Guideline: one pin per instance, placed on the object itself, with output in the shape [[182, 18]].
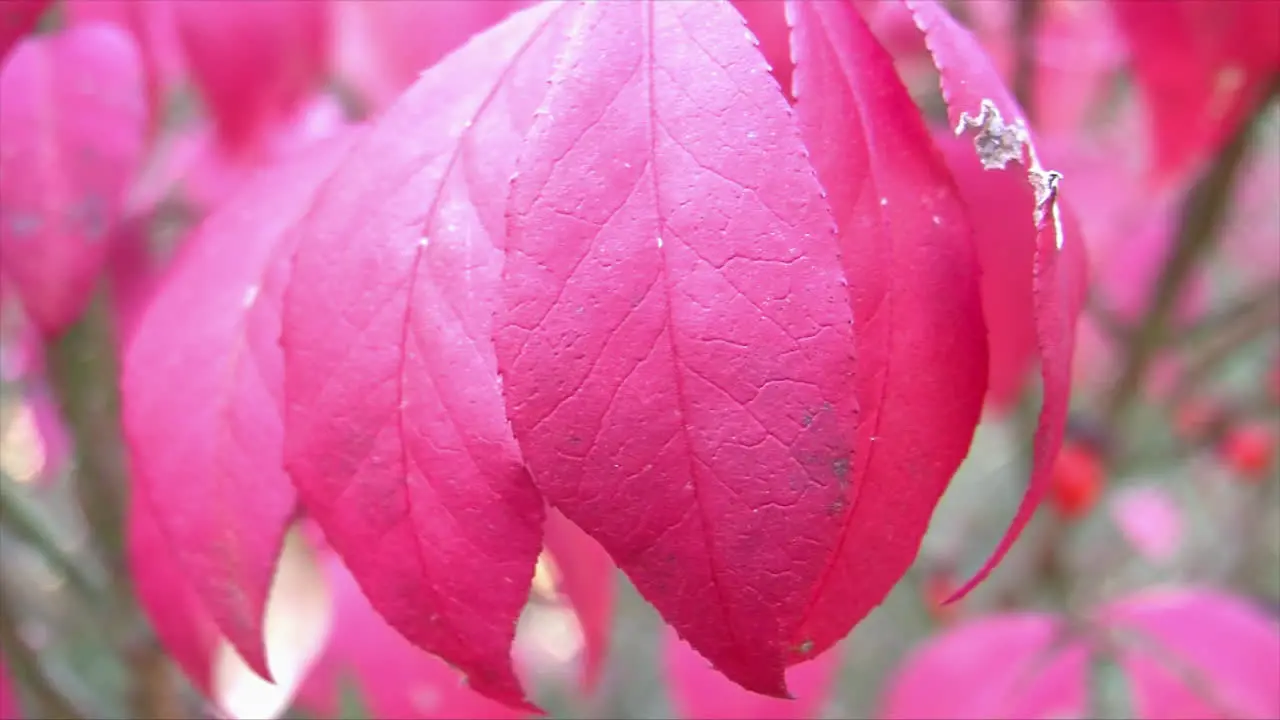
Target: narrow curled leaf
[[914, 287], [70, 141], [675, 341], [586, 578], [979, 103], [396, 437], [210, 456]]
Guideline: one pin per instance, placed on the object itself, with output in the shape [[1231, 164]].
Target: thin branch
[[1025, 23], [1202, 215], [1262, 319], [54, 698], [19, 517]]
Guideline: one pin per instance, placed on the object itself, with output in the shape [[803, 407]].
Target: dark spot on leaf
[[840, 466]]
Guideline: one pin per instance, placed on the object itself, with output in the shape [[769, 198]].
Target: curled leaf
[[913, 279]]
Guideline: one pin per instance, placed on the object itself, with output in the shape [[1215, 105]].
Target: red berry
[[1249, 449], [1077, 480]]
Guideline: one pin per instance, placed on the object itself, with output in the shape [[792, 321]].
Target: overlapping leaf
[[914, 287], [675, 341], [396, 437], [17, 18], [70, 142], [978, 101], [210, 456]]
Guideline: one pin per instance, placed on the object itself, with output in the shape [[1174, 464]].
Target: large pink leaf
[[255, 62], [586, 578], [396, 436], [1201, 66], [917, 313], [17, 18], [676, 344], [211, 455], [698, 692], [1183, 653], [1199, 653], [978, 100], [167, 597], [393, 678], [767, 21], [70, 141], [381, 47]]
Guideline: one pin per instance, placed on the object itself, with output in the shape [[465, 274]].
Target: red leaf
[[394, 679], [255, 62], [913, 284], [17, 18], [676, 348], [977, 99], [586, 578], [70, 141], [396, 436], [1201, 67], [700, 693], [211, 455], [382, 47], [166, 596]]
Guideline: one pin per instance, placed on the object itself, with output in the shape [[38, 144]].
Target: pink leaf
[[586, 578], [1201, 68], [394, 679], [210, 456], [698, 692], [676, 344], [70, 141], [1150, 520], [396, 436], [991, 667], [913, 284], [17, 18], [1200, 653], [10, 709], [382, 47], [255, 62], [1184, 653], [999, 211], [152, 26], [767, 21], [166, 596], [977, 99]]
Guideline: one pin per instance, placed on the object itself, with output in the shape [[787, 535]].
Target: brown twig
[[1202, 214]]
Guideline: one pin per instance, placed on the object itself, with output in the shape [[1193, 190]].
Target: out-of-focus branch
[[1201, 218], [19, 517], [54, 700], [82, 370], [1247, 327]]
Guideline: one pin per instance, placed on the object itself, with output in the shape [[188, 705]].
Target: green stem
[[1202, 215], [19, 516], [54, 698]]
